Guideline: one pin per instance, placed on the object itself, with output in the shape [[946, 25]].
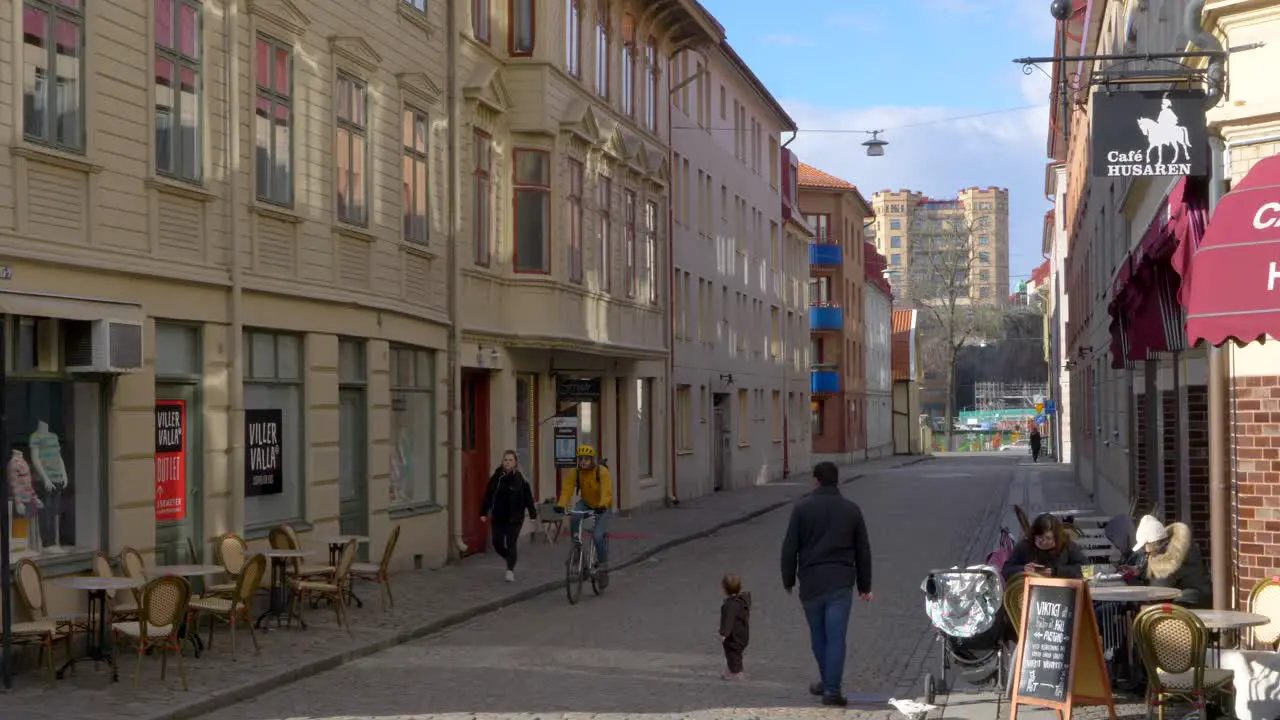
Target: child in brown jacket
[[735, 624]]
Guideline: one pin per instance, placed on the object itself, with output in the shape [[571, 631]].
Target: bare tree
[[944, 260]]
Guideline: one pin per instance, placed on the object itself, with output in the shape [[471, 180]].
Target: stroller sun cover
[[963, 604]]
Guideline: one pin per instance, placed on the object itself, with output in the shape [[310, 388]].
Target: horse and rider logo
[[1132, 138]]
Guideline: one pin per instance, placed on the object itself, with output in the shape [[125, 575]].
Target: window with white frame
[[413, 427], [53, 73], [273, 121], [573, 37], [644, 427], [351, 150], [178, 65], [419, 5], [273, 365], [416, 153]]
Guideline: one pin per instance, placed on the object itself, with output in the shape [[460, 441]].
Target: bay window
[[413, 428], [532, 226], [604, 192], [177, 87], [53, 73], [573, 221], [629, 232], [521, 18], [482, 197], [650, 250]]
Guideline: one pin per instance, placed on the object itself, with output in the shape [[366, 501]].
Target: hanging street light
[[875, 146]]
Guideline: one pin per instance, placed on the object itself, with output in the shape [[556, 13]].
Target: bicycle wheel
[[596, 585], [573, 575]]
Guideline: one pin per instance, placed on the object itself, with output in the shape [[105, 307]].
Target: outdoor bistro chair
[[1173, 642], [131, 563], [379, 573], [1264, 599], [164, 604], [40, 630], [1013, 591], [334, 589], [122, 609], [235, 609], [296, 568], [231, 553]]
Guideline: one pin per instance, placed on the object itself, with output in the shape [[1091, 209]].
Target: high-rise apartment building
[[909, 224]]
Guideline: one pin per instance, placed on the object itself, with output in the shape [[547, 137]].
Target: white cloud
[[932, 153], [785, 40]]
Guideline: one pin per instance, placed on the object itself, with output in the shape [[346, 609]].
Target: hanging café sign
[[1153, 133]]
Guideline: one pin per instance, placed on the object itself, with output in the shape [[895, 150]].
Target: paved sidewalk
[[427, 602]]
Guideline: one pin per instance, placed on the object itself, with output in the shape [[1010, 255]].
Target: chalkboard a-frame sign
[[1059, 659]]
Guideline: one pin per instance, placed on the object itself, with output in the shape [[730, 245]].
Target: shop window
[[177, 350], [273, 439], [644, 426], [413, 427]]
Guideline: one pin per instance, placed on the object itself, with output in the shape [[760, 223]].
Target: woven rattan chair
[[133, 566], [333, 589], [1264, 599], [1173, 642], [124, 608], [164, 604], [378, 573], [1013, 590], [235, 609], [231, 553], [40, 630], [296, 568]]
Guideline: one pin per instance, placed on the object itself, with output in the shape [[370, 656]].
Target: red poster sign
[[171, 460]]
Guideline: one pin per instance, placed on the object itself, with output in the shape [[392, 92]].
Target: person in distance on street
[[594, 487], [735, 624], [507, 499], [826, 547], [1035, 444], [1047, 551]]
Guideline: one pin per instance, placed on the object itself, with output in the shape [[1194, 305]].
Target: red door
[[475, 458]]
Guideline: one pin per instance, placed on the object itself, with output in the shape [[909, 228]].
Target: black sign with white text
[[1149, 133], [1046, 643], [263, 452]]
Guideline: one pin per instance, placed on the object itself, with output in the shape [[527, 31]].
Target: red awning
[[1234, 276]]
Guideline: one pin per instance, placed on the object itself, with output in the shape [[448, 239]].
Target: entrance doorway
[[720, 449], [178, 507], [353, 486], [475, 458]]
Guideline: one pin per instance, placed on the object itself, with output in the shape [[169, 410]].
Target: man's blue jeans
[[597, 532], [828, 617]]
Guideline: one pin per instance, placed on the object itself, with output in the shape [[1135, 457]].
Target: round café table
[[186, 571], [336, 543], [99, 650], [1132, 593], [1218, 621], [280, 558]]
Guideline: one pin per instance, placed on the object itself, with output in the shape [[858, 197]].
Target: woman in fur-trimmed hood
[[1173, 560]]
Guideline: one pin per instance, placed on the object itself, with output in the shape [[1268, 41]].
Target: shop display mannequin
[[46, 461], [26, 503]]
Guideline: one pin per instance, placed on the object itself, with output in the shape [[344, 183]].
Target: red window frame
[[481, 11], [573, 220]]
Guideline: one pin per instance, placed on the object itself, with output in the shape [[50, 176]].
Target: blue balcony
[[825, 254], [826, 317], [824, 381]]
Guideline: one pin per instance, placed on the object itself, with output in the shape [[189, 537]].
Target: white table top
[[184, 570], [1227, 619], [344, 539], [282, 553], [1133, 593], [93, 582]]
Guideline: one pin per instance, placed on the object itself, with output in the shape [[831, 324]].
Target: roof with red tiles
[[811, 176], [902, 350], [876, 266], [1040, 274]]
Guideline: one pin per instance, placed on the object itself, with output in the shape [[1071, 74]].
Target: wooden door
[[475, 458]]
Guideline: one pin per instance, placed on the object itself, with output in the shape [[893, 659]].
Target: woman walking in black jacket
[[506, 500]]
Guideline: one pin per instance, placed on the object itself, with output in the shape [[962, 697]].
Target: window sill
[[191, 191], [421, 250], [415, 17], [260, 532], [71, 563], [51, 156], [414, 510], [688, 451], [744, 445], [354, 231], [777, 441], [276, 212]]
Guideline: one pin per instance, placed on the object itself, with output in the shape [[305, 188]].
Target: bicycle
[[581, 565]]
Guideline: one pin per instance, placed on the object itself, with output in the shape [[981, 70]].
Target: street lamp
[[875, 146]]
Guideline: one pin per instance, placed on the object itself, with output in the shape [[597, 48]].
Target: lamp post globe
[[1060, 9]]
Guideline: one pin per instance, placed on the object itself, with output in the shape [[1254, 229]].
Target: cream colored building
[[565, 125], [229, 218], [907, 222], [740, 316]]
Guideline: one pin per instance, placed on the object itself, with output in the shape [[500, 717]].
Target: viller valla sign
[[1151, 133]]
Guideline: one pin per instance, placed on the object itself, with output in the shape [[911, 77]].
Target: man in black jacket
[[827, 544]]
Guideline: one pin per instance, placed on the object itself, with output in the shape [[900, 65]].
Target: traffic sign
[[1050, 407], [1040, 419]]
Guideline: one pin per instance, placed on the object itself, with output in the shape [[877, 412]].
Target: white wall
[[877, 317]]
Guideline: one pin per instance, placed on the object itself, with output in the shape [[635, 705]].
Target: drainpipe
[[1203, 40], [457, 545], [1219, 431], [235, 363], [673, 497]]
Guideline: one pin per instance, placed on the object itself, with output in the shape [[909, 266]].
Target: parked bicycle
[[581, 565]]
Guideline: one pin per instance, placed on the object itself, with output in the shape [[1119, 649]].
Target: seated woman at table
[[1170, 558], [1046, 551]]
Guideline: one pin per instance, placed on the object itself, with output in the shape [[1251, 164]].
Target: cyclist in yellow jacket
[[594, 487]]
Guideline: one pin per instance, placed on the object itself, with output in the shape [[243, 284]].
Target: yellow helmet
[[586, 451]]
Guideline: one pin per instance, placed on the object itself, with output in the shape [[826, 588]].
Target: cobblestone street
[[647, 648]]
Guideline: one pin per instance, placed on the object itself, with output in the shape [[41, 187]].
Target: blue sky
[[864, 65]]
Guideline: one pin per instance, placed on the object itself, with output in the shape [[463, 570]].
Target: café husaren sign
[[1151, 133]]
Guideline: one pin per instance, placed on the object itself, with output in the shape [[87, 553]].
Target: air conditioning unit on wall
[[107, 347]]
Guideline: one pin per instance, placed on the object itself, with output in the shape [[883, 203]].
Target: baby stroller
[[965, 607]]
